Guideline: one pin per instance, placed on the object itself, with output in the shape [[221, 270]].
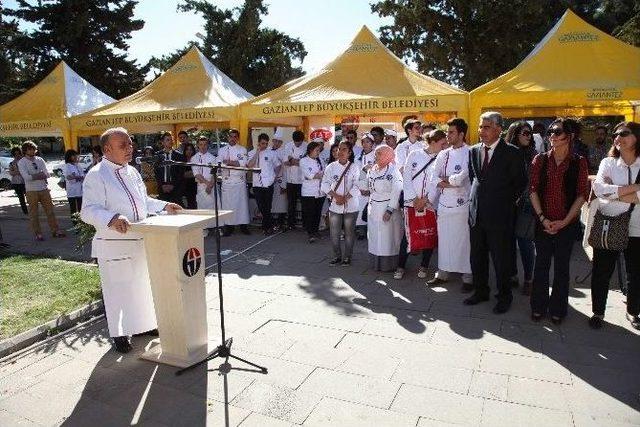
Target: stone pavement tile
[[281, 372], [351, 387], [428, 422], [584, 420], [258, 420], [71, 374], [526, 367], [244, 301], [537, 393], [438, 405], [217, 413], [329, 306], [232, 280], [322, 354], [212, 386], [314, 318], [28, 375], [623, 341], [11, 420], [334, 412], [433, 376], [375, 364], [235, 323], [279, 402], [9, 367], [297, 332], [496, 413], [453, 307], [97, 414], [625, 360], [266, 344], [409, 327], [489, 386], [516, 331]]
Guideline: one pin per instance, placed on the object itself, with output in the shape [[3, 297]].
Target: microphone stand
[[224, 349]]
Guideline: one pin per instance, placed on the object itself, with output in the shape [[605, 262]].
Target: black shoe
[[227, 231], [346, 261], [502, 307], [476, 298], [556, 320], [435, 281], [514, 282], [312, 239], [361, 237], [467, 288], [151, 333], [335, 261], [536, 317], [245, 230], [596, 322], [122, 344]]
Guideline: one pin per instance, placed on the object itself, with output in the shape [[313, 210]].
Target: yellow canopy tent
[[192, 93], [575, 70], [366, 79], [45, 109]]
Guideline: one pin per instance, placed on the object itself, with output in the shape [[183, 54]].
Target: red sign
[[325, 134]]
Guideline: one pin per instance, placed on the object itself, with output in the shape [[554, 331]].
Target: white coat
[[234, 195], [363, 159], [348, 185], [385, 186], [204, 200], [111, 189], [294, 173], [423, 183], [311, 186], [279, 202]]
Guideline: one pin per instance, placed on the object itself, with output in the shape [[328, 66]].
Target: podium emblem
[[191, 262]]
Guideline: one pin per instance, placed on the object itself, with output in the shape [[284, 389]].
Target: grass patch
[[35, 290]]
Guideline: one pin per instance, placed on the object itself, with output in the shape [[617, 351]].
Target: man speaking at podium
[[114, 196]]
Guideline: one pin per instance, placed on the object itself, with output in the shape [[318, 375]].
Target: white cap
[[278, 134], [391, 132], [366, 135]]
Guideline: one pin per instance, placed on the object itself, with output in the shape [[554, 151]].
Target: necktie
[[166, 168], [485, 162]]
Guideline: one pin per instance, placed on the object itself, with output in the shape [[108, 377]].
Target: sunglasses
[[622, 133], [556, 131], [525, 133]]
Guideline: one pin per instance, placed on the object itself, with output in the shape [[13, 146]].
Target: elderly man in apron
[[115, 196], [234, 185]]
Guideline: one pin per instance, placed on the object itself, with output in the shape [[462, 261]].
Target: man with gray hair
[[114, 195], [498, 177]]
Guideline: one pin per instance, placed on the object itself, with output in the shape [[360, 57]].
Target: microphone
[[149, 159]]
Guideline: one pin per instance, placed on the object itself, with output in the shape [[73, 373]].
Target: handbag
[[421, 229], [526, 222], [611, 232]]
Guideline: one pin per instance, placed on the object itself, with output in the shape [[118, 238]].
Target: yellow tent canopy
[[45, 109], [575, 70], [366, 79], [193, 92]]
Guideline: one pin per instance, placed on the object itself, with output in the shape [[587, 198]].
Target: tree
[[91, 37], [258, 59], [15, 67], [469, 42]]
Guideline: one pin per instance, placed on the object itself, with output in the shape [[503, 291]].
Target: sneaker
[[422, 273], [595, 322], [635, 320], [399, 274], [435, 281], [122, 344], [346, 261], [335, 261]]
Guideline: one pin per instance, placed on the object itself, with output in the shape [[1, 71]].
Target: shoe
[[635, 320], [476, 298], [39, 237], [151, 333], [346, 261], [526, 288], [596, 322], [502, 307], [422, 273], [335, 261], [245, 230], [536, 317], [122, 344], [398, 274], [467, 288], [556, 320], [227, 231], [435, 281]]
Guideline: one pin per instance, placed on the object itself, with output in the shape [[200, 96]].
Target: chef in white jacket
[[234, 185], [115, 196], [279, 202], [364, 161], [451, 176], [203, 174]]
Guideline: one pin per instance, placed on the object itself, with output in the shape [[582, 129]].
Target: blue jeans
[[528, 257]]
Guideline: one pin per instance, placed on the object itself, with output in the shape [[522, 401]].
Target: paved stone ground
[[344, 347]]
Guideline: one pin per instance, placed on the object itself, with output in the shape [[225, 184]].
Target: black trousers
[[556, 247], [604, 262], [75, 204], [311, 213], [294, 193], [20, 192], [403, 255], [264, 196], [499, 244]]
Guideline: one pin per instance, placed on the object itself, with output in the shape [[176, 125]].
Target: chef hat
[[391, 132], [367, 135], [278, 134]]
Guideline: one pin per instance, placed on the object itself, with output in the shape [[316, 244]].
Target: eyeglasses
[[556, 131], [525, 133], [622, 133]]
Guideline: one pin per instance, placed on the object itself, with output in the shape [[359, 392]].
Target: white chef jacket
[[268, 161], [423, 184], [73, 187], [203, 159], [311, 185], [621, 175], [404, 148], [235, 153], [454, 163], [294, 174], [27, 167], [348, 185]]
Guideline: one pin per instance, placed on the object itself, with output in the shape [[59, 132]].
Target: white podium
[[174, 247]]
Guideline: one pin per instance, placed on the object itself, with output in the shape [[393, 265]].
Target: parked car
[[5, 177], [84, 161]]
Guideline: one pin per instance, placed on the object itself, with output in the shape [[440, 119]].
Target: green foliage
[[84, 232], [469, 42], [258, 59], [92, 37]]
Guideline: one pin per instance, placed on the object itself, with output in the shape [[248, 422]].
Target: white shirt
[[618, 171], [362, 160], [73, 187], [234, 153], [491, 147], [404, 148], [203, 159], [453, 163], [294, 174], [267, 161], [28, 167], [423, 184], [111, 189], [385, 185], [311, 185], [348, 185]]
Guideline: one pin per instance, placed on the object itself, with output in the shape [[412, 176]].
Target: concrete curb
[[62, 323]]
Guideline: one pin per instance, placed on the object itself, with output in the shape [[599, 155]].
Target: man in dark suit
[[498, 177], [170, 178]]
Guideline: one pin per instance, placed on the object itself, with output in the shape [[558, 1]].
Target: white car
[[5, 177], [84, 161]]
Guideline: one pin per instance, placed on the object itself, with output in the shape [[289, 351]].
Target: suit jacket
[[175, 174], [494, 193]]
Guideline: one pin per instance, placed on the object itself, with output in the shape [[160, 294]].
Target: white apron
[[235, 198], [279, 202], [204, 200], [385, 186]]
